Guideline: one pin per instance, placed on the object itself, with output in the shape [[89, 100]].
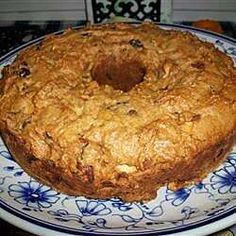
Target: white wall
[[42, 10], [182, 10], [190, 10]]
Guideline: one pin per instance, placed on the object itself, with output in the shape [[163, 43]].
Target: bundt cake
[[119, 110]]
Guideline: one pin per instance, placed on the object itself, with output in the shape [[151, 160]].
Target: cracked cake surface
[[119, 110]]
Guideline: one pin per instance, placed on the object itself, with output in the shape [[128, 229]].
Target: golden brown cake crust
[[115, 111]]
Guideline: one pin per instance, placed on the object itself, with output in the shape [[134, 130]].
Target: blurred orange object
[[208, 25]]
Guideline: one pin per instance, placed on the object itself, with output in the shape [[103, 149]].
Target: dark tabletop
[[20, 32]]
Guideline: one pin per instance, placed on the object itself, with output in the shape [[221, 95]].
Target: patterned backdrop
[[139, 10]]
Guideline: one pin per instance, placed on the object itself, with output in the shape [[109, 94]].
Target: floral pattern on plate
[[33, 194]]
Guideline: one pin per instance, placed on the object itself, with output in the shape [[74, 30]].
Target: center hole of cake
[[121, 74]]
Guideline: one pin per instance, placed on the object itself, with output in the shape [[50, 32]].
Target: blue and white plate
[[195, 210]]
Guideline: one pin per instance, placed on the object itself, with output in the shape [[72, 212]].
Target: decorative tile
[[139, 10]]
